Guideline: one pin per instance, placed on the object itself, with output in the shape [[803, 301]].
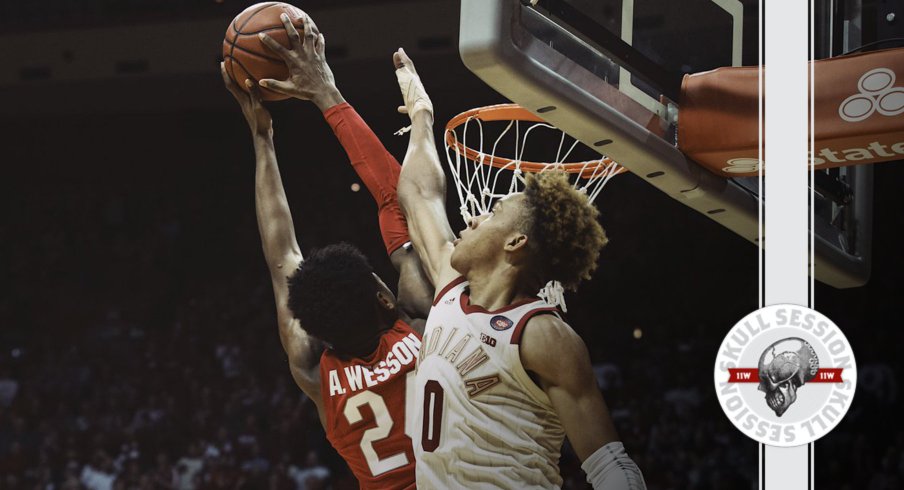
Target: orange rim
[[514, 112]]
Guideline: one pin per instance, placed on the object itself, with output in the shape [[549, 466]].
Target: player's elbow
[[413, 192], [406, 191], [282, 264], [419, 186]]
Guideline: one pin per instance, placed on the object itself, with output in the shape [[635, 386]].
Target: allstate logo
[[877, 94], [785, 375], [742, 165]]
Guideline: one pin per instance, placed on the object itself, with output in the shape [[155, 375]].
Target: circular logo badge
[[501, 323], [785, 375]]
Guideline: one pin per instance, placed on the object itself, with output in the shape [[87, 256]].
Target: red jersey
[[366, 400]]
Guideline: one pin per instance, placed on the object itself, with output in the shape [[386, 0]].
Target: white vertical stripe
[[787, 117], [786, 181]]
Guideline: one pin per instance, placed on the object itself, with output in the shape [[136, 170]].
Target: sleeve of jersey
[[610, 468], [376, 167]]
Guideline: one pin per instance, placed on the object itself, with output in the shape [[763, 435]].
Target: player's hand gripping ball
[[246, 57]]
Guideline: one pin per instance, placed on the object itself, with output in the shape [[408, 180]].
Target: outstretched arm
[[422, 184], [277, 232], [379, 171], [310, 78], [552, 351]]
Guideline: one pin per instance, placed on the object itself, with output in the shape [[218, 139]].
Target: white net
[[484, 174]]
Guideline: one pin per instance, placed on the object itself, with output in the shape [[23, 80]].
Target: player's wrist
[[262, 135], [422, 116], [611, 467], [328, 99]]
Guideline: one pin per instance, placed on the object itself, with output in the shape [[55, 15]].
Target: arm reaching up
[[310, 78], [281, 249], [422, 184], [379, 171]]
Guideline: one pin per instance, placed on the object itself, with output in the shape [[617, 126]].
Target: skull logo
[[784, 367]]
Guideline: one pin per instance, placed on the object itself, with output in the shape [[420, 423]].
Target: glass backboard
[[609, 73]]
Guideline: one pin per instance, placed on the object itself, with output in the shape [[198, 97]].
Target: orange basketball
[[245, 56]]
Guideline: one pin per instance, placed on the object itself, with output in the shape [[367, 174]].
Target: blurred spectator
[[608, 376], [256, 465], [188, 467], [100, 474], [311, 476], [8, 387]]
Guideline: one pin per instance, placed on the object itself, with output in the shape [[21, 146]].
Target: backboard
[[609, 72]]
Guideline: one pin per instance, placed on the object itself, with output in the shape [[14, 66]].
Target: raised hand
[[256, 114], [310, 77], [414, 94]]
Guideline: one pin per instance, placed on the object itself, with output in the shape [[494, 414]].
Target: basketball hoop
[[482, 177], [477, 174]]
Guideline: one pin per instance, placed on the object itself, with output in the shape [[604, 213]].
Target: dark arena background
[[138, 342]]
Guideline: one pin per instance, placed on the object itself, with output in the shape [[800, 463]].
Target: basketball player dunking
[[501, 378], [360, 382]]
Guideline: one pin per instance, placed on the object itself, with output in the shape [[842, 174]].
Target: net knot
[[465, 215], [554, 294]]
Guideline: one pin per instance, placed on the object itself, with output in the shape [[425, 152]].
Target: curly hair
[[332, 294], [563, 228]]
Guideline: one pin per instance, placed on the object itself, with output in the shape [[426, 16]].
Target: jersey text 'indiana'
[[452, 351]]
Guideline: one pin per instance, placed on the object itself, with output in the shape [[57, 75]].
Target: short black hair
[[333, 295]]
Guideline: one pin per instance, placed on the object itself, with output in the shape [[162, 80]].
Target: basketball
[[245, 56]]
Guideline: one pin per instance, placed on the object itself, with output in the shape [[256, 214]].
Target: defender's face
[[485, 237], [383, 289]]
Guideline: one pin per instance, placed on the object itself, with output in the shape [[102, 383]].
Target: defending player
[[501, 378], [333, 297]]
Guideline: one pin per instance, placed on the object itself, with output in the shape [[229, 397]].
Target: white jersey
[[484, 423]]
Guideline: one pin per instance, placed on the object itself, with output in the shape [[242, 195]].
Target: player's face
[[386, 293], [387, 313], [484, 240]]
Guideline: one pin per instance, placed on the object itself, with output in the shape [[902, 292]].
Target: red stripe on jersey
[[519, 328], [467, 307], [442, 292]]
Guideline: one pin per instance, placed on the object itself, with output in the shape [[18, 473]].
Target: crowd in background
[[207, 403], [137, 356], [138, 350]]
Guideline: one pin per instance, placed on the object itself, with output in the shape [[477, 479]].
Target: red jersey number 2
[[384, 422]]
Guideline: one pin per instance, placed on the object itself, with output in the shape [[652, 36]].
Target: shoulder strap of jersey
[[543, 310]]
